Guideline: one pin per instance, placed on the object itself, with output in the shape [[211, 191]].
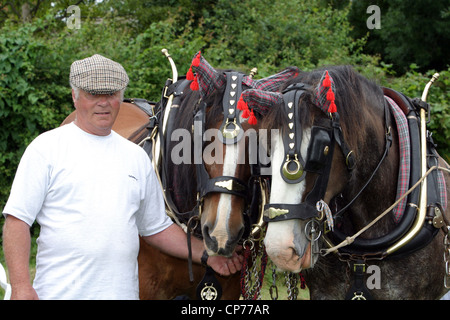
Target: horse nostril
[[210, 242], [294, 252]]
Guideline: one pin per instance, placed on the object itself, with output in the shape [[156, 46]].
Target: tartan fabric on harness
[[321, 91], [210, 79], [273, 82], [261, 101], [442, 189], [405, 164], [405, 157]]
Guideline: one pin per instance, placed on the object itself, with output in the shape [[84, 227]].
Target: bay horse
[[338, 161], [215, 181]]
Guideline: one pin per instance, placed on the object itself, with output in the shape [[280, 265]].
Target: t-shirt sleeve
[[152, 217], [29, 186]]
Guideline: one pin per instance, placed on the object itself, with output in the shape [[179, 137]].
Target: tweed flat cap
[[98, 75]]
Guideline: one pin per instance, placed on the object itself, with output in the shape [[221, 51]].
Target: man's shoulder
[[129, 146], [48, 137]]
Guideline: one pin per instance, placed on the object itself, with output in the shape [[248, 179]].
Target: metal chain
[[273, 290], [258, 274], [291, 284], [253, 277], [247, 277]]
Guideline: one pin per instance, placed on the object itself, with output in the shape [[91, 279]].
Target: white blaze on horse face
[[220, 230], [286, 243]]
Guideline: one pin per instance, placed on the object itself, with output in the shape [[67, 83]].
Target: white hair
[[76, 91]]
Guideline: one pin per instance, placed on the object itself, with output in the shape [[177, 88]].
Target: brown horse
[[214, 179], [333, 173]]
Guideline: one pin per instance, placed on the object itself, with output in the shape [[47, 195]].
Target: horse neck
[[381, 191]]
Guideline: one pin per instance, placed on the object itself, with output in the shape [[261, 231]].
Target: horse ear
[[324, 93], [257, 101], [273, 82], [206, 78]]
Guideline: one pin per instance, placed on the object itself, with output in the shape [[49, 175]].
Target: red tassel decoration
[[196, 61], [241, 105], [326, 82], [330, 95], [190, 74], [245, 114], [332, 108], [194, 84], [252, 120]]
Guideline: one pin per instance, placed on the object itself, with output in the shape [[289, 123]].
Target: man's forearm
[[16, 246], [172, 241]]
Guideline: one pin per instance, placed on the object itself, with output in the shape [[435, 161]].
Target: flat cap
[[98, 75]]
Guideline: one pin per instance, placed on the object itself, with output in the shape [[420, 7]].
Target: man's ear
[[74, 98]]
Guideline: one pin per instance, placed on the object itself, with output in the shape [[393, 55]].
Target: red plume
[[252, 120], [196, 61], [332, 108], [326, 82], [194, 84], [190, 74], [330, 95], [242, 105]]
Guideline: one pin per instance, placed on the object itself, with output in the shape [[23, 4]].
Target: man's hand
[[226, 266]]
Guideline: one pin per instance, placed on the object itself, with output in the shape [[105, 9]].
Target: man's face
[[96, 113]]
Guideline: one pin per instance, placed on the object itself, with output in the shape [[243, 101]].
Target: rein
[[350, 239]]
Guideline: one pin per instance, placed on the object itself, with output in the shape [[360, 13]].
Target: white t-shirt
[[91, 195]]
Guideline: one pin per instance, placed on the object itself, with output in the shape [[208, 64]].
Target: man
[[92, 192]]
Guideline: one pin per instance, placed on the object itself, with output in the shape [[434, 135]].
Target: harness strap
[[388, 143], [231, 128], [358, 291], [205, 184], [339, 137]]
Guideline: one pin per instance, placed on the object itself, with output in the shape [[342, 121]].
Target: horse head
[[314, 158], [223, 130]]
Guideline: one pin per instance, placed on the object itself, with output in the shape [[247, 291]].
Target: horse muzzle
[[288, 246], [219, 241]]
